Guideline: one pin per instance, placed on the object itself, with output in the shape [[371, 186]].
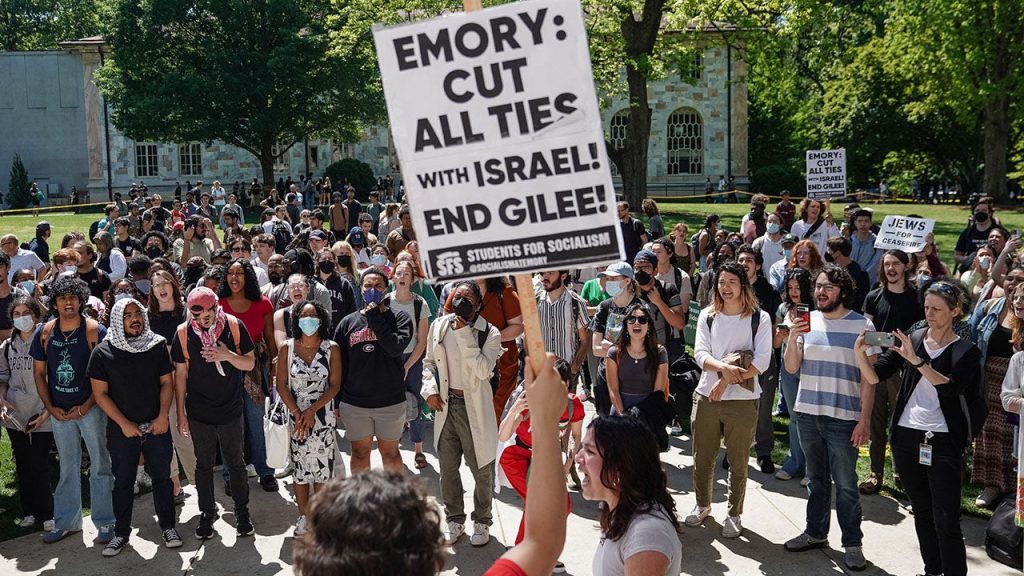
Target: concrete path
[[774, 513]]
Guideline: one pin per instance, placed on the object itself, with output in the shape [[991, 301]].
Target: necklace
[[68, 335]]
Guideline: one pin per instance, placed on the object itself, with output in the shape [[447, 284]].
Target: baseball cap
[[647, 256], [318, 234], [42, 227], [356, 236], [230, 212], [619, 269], [789, 239], [201, 298]]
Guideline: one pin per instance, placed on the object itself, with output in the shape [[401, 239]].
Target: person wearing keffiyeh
[[131, 371], [209, 365]]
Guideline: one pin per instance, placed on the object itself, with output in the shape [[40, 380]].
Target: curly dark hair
[[252, 285], [34, 306], [803, 279], [472, 286], [350, 518], [68, 285], [650, 341], [496, 285], [110, 299], [839, 276], [159, 236], [324, 332], [633, 467]]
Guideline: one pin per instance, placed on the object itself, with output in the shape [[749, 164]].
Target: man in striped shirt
[[833, 410], [563, 321]]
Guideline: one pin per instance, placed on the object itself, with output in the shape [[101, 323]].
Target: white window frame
[[147, 160], [190, 159]]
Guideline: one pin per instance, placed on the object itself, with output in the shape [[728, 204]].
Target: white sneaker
[[27, 521], [805, 481], [481, 534], [732, 527], [454, 532], [300, 526], [696, 518], [282, 473], [251, 471], [781, 474], [49, 526], [143, 479]]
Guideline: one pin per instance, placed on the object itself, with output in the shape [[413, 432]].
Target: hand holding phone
[[882, 339]]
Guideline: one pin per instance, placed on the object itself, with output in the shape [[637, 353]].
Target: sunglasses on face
[[637, 319], [198, 309]]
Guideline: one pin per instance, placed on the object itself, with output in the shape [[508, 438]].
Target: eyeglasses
[[198, 309], [637, 319], [826, 287], [237, 249]]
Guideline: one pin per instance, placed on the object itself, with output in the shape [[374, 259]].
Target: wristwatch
[[922, 363]]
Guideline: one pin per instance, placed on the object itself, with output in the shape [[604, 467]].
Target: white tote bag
[[277, 428]]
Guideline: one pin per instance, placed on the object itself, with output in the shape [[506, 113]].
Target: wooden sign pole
[[524, 285]]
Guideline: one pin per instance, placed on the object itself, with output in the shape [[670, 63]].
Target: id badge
[[925, 455]]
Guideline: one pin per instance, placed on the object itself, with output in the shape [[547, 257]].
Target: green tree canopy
[[249, 73]]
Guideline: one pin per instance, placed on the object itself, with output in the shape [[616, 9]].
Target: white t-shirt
[[771, 251], [24, 259], [820, 236], [651, 532], [922, 411], [730, 333], [454, 356]]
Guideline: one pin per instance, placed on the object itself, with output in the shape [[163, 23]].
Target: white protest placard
[[495, 120], [826, 174], [904, 233]]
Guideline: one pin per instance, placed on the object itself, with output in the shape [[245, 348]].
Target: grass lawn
[[949, 219], [24, 226]]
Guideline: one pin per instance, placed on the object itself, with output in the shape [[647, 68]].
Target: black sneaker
[[269, 483], [725, 462], [179, 498], [171, 538], [114, 547], [204, 530], [244, 525], [766, 464], [227, 487]]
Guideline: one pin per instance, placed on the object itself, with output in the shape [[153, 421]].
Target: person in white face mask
[[975, 278], [608, 321], [770, 243]]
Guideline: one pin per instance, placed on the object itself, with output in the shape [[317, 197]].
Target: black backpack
[[683, 377], [481, 339], [282, 236], [1004, 540]]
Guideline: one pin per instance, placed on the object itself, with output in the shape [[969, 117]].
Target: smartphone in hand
[[882, 339]]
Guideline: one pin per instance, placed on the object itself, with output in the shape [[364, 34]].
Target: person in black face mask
[[663, 301], [343, 299], [298, 261]]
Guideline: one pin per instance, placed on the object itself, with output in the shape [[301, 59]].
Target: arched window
[[617, 133], [685, 142]]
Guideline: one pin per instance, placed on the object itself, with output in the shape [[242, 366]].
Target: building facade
[[53, 116]]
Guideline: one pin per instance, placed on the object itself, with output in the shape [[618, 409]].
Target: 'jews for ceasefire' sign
[[904, 233], [496, 124]]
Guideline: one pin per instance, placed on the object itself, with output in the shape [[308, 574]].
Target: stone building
[[52, 114]]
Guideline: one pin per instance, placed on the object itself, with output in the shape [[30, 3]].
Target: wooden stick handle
[[531, 321], [471, 5]]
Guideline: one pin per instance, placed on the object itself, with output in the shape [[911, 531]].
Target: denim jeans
[[124, 457], [789, 384], [831, 457], [67, 500], [413, 384]]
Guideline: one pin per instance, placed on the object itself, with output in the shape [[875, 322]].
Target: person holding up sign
[[815, 224]]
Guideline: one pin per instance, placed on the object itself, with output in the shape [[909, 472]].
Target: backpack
[[92, 333], [1003, 538], [282, 236], [93, 229], [975, 408], [232, 325], [683, 376]]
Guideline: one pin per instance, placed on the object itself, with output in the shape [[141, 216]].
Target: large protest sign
[[826, 174], [904, 233], [495, 119]]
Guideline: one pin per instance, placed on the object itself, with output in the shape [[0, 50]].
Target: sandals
[[421, 460]]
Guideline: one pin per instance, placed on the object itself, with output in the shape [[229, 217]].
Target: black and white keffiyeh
[[117, 337]]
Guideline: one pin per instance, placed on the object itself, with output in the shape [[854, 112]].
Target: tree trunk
[[996, 128], [640, 35], [638, 132], [267, 165]]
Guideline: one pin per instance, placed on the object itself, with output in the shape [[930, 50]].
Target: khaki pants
[[454, 442], [183, 447], [735, 421]]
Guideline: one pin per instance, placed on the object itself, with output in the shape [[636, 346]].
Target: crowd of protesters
[[156, 341]]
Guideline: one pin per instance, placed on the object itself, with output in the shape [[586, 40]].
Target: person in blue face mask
[[307, 386], [372, 405]]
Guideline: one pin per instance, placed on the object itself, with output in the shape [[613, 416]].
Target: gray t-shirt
[[410, 309], [633, 375], [651, 532]]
